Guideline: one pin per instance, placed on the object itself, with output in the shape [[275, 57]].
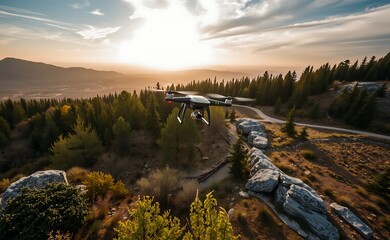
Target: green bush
[[36, 212], [99, 184]]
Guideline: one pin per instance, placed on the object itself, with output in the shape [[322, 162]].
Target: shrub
[[159, 184], [381, 184], [99, 184], [59, 236], [308, 154], [4, 183], [77, 174], [17, 177], [185, 197], [36, 212]]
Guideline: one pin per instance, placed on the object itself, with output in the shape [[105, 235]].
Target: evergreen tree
[[238, 160], [147, 223], [121, 131], [79, 149], [207, 223], [278, 106], [152, 124], [178, 140], [5, 132], [303, 134], [233, 115], [289, 126], [314, 110]]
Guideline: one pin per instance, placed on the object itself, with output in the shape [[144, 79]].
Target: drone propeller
[[240, 99], [179, 92]]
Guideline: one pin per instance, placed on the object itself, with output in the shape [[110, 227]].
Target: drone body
[[198, 104]]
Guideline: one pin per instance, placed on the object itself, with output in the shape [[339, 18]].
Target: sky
[[181, 34]]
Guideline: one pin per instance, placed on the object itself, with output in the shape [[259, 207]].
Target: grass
[[286, 167], [329, 192], [77, 174], [4, 183], [269, 223]]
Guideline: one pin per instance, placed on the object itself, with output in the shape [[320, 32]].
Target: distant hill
[[26, 79], [13, 69]]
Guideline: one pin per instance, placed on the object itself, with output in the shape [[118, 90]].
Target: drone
[[199, 104]]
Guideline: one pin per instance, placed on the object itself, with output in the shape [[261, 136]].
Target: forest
[[37, 134]]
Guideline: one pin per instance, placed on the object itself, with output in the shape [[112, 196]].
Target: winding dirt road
[[275, 120]]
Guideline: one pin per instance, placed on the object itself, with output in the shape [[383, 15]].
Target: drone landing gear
[[197, 114]]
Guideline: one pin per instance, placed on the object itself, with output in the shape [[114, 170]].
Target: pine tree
[[238, 160], [207, 223], [5, 132], [303, 134], [147, 223], [79, 149], [233, 115], [289, 126], [152, 124], [121, 131], [278, 106], [314, 110]]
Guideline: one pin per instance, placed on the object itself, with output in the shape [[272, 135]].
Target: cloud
[[82, 4], [19, 10], [97, 12], [93, 33]]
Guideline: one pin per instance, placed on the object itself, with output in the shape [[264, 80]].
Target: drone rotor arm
[[219, 103], [179, 99]]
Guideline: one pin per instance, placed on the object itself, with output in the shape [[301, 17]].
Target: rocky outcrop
[[265, 180], [253, 134], [247, 125], [317, 222], [307, 198], [35, 180], [353, 220], [260, 142], [296, 198]]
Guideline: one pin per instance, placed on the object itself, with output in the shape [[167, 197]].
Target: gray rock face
[[262, 163], [265, 180], [260, 142], [247, 125], [280, 194], [252, 135], [317, 222], [307, 198], [353, 220], [36, 180], [254, 155], [287, 181]]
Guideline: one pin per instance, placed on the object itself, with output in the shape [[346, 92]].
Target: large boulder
[[260, 142], [306, 198], [265, 180], [317, 222], [36, 180], [280, 194], [262, 163], [287, 181], [255, 155], [253, 134], [247, 125], [353, 220]]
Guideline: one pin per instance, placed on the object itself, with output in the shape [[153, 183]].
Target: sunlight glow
[[168, 40]]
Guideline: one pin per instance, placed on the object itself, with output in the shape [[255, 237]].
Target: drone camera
[[196, 115], [169, 95], [228, 101]]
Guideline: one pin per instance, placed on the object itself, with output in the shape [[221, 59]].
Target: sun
[[168, 40]]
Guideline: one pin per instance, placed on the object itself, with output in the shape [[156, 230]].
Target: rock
[[315, 221], [280, 194], [247, 125], [243, 194], [260, 142], [253, 134], [262, 163], [255, 155], [265, 180], [353, 220], [36, 180], [306, 198], [287, 181]]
